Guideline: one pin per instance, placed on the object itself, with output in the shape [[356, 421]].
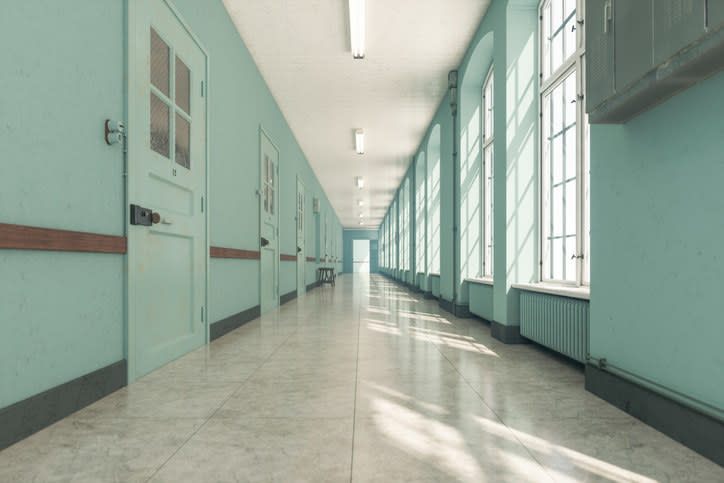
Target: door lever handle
[[264, 242], [166, 221]]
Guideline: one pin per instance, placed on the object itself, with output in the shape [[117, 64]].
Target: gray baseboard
[[698, 431], [507, 334], [458, 310], [312, 285], [224, 326], [428, 295], [288, 297], [37, 412]]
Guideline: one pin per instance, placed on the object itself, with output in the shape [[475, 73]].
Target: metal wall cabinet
[[640, 53], [633, 40], [677, 23], [715, 10], [599, 53]]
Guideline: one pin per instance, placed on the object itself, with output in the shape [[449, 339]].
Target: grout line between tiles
[[356, 383], [543, 467], [220, 406]]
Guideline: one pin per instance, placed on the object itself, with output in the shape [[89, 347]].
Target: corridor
[[366, 381]]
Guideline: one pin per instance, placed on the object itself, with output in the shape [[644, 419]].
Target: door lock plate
[[141, 216]]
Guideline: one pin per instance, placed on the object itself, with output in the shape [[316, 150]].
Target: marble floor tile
[[264, 450], [87, 449], [365, 381]]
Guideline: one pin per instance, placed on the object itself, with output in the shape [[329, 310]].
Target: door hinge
[[202, 204], [202, 88], [202, 315]]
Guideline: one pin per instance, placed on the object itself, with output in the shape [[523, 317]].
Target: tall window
[[420, 215], [433, 201], [488, 171], [405, 213], [564, 154]]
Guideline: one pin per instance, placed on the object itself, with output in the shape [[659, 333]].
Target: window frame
[[547, 84], [485, 144]]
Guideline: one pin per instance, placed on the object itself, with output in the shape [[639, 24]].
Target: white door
[[269, 217], [167, 252], [301, 258]]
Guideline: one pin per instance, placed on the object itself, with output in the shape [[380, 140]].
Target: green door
[[301, 258], [269, 222], [167, 165]]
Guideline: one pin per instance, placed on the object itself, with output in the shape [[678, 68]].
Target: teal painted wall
[[656, 237], [240, 102], [481, 300], [63, 314], [349, 237]]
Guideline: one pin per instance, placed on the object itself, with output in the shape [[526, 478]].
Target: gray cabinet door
[[716, 13], [634, 40], [677, 23], [599, 52]]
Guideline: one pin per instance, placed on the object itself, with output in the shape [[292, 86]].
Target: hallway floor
[[362, 382]]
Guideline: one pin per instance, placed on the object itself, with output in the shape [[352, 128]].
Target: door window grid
[[564, 147], [269, 186], [169, 94], [488, 172]]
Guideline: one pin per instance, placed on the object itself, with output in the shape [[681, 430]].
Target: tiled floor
[[362, 382]]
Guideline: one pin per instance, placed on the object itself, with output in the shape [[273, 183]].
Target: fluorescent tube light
[[357, 28], [360, 203], [359, 141], [360, 182]]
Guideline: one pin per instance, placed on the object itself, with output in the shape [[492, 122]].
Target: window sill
[[583, 293], [434, 274], [481, 281]]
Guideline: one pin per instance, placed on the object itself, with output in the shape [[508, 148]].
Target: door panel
[[301, 258], [167, 174], [269, 219]]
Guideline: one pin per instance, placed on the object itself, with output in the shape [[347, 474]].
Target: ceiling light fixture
[[360, 182], [359, 141], [360, 203], [361, 215], [357, 28]]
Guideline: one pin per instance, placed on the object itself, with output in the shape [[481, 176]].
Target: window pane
[[570, 98], [160, 74], [557, 105], [546, 40], [271, 201], [557, 261], [183, 86], [556, 160], [569, 31], [570, 154], [557, 211], [569, 258], [266, 198], [183, 140], [266, 169], [557, 12], [159, 126], [570, 210], [556, 51]]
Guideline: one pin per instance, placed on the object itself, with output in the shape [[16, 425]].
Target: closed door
[[167, 260], [301, 220], [269, 229]]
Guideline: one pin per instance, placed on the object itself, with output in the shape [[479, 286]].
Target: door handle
[[264, 242], [299, 249]]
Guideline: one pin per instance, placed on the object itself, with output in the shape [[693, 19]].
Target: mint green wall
[[240, 102], [481, 300], [349, 237], [63, 314], [656, 236]]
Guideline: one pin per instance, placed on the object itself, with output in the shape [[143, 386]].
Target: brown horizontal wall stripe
[[311, 259], [219, 252], [288, 258], [22, 237]]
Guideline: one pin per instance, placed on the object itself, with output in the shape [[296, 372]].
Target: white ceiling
[[302, 49]]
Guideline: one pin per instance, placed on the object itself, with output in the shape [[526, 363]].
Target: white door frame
[[133, 144], [265, 133]]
